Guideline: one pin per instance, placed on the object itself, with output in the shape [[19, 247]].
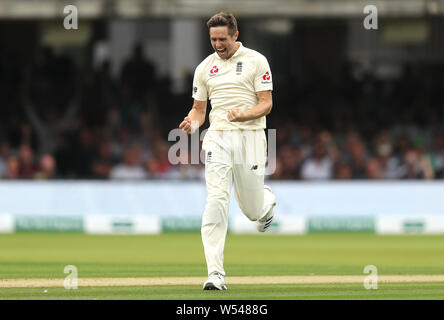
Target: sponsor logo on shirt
[[266, 77], [239, 68], [214, 71], [195, 89]]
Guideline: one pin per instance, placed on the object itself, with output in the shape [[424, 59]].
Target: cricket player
[[237, 80]]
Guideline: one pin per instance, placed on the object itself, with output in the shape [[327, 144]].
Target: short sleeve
[[199, 86], [262, 79]]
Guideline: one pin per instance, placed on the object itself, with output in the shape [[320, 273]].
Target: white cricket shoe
[[215, 281], [264, 223]]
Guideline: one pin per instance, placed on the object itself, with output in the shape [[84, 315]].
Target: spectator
[[47, 168], [103, 161], [158, 166], [131, 168], [319, 166], [343, 171], [373, 170], [13, 167], [358, 158], [417, 165], [290, 162], [52, 126], [27, 167], [326, 139], [390, 165]]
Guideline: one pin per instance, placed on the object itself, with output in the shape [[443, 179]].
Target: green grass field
[[44, 255]]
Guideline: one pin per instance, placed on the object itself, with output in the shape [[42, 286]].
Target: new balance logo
[[268, 223]]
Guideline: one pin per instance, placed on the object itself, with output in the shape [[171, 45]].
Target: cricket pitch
[[177, 281]]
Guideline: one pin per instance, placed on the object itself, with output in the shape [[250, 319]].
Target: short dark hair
[[223, 19]]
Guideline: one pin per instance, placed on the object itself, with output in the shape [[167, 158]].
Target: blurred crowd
[[362, 127], [388, 155], [62, 121]]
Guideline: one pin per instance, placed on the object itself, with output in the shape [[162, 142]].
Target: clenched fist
[[188, 126], [235, 114]]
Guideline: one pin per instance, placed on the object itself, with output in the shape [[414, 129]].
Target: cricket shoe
[[264, 223], [215, 281]]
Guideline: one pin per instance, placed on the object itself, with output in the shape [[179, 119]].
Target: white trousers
[[237, 156]]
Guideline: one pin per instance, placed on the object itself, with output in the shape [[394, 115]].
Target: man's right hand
[[197, 113], [186, 125]]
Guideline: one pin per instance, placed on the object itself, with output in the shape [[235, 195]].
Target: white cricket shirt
[[232, 83]]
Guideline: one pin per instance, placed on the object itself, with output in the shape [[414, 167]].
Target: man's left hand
[[235, 114]]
